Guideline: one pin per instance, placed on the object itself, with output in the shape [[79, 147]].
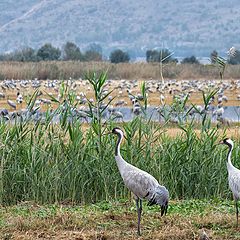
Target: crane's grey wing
[[144, 185], [159, 196], [234, 184], [139, 182]]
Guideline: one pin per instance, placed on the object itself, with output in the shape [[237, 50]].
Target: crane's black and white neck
[[120, 135], [233, 174], [229, 143], [121, 163]]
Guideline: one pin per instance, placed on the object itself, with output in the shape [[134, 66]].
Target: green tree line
[[70, 51], [48, 52]]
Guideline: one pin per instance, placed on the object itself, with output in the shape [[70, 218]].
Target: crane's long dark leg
[[236, 204], [139, 210]]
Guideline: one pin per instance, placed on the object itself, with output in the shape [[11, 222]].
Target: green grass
[[54, 163]]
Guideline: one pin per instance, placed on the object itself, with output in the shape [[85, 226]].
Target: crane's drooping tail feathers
[[160, 197]]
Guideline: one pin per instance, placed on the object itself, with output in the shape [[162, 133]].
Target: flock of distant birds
[[125, 95]]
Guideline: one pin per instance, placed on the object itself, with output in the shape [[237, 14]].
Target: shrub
[[92, 55], [164, 55], [119, 56], [71, 52], [191, 60], [47, 52], [152, 56]]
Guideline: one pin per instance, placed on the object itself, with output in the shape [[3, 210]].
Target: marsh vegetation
[[72, 163]]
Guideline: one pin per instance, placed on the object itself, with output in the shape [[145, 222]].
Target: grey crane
[[19, 98], [140, 183], [233, 174], [11, 104]]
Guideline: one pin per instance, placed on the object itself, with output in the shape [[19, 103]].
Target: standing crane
[[11, 104], [140, 183], [233, 174]]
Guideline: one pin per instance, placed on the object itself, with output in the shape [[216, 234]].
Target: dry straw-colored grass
[[232, 132], [74, 69], [117, 222]]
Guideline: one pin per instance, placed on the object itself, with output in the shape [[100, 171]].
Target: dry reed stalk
[[75, 69]]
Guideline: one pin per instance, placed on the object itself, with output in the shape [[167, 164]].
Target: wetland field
[[58, 175]]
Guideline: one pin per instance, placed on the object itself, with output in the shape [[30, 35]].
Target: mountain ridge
[[186, 27]]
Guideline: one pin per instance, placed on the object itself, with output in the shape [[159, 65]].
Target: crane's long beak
[[221, 142]]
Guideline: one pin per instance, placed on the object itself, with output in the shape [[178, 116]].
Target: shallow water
[[231, 113]]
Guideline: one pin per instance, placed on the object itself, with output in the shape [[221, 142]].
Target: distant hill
[[187, 27]]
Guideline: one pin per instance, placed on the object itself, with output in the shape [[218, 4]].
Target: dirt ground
[[185, 220]]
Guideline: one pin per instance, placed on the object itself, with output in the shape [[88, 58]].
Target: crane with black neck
[[140, 183], [233, 174]]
